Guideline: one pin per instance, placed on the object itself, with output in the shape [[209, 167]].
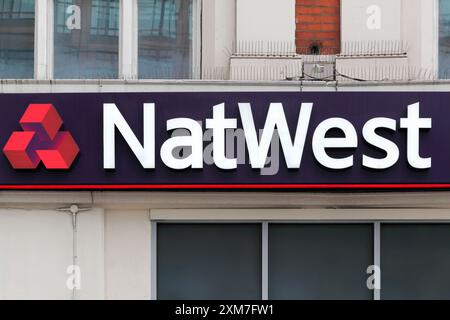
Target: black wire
[[315, 78], [348, 77], [328, 77]]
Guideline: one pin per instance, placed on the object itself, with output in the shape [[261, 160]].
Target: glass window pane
[[165, 39], [86, 39], [16, 39], [415, 261], [319, 261], [209, 261], [444, 39]]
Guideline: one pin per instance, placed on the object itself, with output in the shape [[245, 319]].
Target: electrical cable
[[73, 210], [331, 77]]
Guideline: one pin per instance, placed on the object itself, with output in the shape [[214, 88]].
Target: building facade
[[70, 240]]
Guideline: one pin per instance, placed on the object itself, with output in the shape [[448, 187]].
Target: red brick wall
[[317, 26]]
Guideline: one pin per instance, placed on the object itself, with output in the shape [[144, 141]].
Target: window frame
[[196, 41], [154, 253], [128, 41], [374, 216], [37, 5], [264, 246], [436, 40], [51, 45]]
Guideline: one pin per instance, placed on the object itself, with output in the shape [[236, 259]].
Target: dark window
[[16, 39], [165, 39], [209, 261], [415, 261], [320, 261]]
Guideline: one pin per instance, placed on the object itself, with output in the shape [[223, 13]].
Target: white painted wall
[[32, 86], [375, 68], [218, 36], [420, 20], [412, 22], [355, 17], [36, 249], [266, 20], [127, 254], [91, 254], [273, 68]]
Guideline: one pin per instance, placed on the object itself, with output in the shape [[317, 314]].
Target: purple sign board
[[220, 140]]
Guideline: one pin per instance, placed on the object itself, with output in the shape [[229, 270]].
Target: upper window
[[444, 39], [16, 39], [165, 39], [86, 39]]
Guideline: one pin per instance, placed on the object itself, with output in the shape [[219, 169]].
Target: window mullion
[[128, 39], [153, 262], [50, 38], [265, 261], [376, 255], [42, 39], [196, 39]]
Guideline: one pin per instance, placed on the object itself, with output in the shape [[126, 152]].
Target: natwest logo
[[41, 140]]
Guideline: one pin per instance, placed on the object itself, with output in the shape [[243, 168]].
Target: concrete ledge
[[117, 85], [224, 200]]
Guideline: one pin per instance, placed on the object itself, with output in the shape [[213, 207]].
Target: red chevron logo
[[41, 140]]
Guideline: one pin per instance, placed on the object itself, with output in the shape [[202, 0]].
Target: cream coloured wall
[[127, 254], [412, 24], [265, 20], [36, 248], [413, 21], [219, 37], [357, 18], [420, 20]]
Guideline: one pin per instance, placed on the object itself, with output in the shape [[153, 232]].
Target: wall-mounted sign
[[225, 140]]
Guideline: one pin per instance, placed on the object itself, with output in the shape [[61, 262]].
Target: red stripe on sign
[[223, 186]]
